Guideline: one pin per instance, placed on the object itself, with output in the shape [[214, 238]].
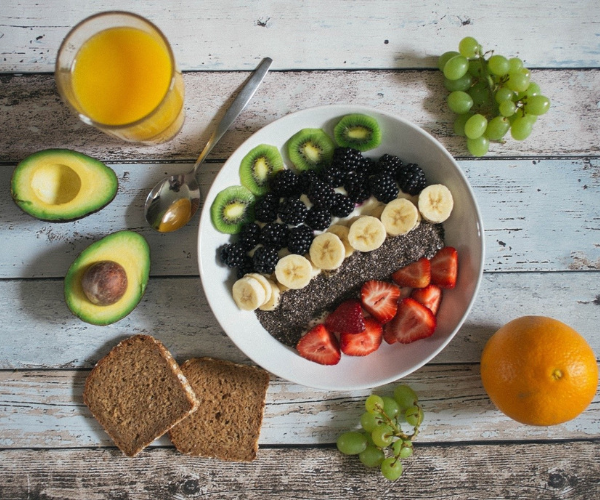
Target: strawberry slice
[[320, 345], [430, 297], [380, 299], [444, 267], [413, 322], [414, 275], [365, 342], [347, 318]]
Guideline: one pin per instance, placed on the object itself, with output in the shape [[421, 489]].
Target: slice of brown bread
[[227, 424], [138, 392]]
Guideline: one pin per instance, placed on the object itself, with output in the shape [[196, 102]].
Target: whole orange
[[539, 371]]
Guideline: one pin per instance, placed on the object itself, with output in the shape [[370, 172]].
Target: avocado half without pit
[[62, 185], [108, 279]]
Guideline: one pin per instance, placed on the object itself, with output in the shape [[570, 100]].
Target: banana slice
[[293, 271], [265, 284], [376, 210], [248, 293], [436, 203], [342, 233], [275, 298], [399, 217], [367, 233], [409, 197], [327, 251]]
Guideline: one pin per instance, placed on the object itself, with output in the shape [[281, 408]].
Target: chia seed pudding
[[298, 308]]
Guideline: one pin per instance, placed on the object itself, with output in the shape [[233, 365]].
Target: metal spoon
[[174, 201]]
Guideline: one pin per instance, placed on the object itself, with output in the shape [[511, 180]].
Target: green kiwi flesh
[[310, 149], [232, 208], [258, 166], [358, 131]]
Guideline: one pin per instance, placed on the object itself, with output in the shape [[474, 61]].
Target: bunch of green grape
[[490, 94], [382, 442]]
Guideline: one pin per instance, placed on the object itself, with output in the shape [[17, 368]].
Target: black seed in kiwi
[[358, 131], [310, 149], [257, 167], [232, 208]]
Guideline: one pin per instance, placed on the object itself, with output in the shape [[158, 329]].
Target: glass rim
[[82, 116]]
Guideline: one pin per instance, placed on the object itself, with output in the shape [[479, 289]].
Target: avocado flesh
[[127, 248], [61, 185]]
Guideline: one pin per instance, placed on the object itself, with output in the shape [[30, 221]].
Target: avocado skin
[[99, 185], [129, 249]]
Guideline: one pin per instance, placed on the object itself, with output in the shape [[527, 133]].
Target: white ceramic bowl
[[463, 230]]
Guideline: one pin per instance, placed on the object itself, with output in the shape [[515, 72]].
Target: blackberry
[[264, 260], [274, 235], [245, 267], [265, 209], [285, 184], [305, 180], [232, 254], [383, 186], [342, 206], [318, 218], [411, 179], [347, 159], [357, 187], [320, 194], [249, 235], [300, 239], [390, 164], [293, 211], [333, 176]]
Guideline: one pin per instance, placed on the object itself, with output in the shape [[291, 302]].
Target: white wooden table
[[540, 201]]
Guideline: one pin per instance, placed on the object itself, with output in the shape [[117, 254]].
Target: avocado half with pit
[[126, 251], [61, 185]]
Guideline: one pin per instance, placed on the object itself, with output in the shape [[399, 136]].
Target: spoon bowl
[[172, 203]]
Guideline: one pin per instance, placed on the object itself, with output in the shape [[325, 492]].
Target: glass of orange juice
[[116, 70]]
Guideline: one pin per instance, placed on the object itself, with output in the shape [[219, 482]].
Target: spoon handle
[[237, 106]]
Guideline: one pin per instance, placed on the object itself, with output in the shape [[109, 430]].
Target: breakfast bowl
[[463, 230]]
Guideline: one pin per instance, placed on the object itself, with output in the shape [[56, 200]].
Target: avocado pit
[[104, 282]]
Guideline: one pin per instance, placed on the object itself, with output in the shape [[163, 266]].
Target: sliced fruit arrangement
[[402, 311]]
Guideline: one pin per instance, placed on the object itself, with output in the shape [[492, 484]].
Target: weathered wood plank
[[234, 34], [518, 471], [44, 409], [524, 204], [40, 332], [33, 116]]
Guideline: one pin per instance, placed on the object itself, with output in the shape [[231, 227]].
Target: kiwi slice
[[258, 166], [310, 149], [232, 208], [358, 131]]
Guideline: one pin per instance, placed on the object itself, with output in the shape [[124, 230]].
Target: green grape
[[498, 65], [475, 126], [456, 67], [371, 456], [459, 102], [468, 47], [526, 72], [521, 128], [514, 64], [382, 435], [507, 108], [517, 81], [352, 443], [390, 407], [533, 89], [497, 128], [478, 146], [445, 57], [369, 421], [391, 468], [463, 83], [537, 105], [402, 449], [405, 396], [459, 124], [480, 94], [503, 94], [374, 404], [477, 67], [414, 416]]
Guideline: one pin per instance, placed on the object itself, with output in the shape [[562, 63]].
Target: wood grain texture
[[45, 410], [312, 34], [521, 471], [35, 118]]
